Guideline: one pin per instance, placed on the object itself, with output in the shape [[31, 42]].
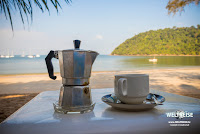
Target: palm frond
[[7, 7], [174, 6]]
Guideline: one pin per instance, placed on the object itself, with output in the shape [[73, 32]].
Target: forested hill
[[168, 41]]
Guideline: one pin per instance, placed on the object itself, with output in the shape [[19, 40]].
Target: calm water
[[20, 65]]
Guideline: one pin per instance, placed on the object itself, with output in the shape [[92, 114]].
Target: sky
[[101, 25]]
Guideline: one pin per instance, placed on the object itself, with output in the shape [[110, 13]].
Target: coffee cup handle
[[122, 86]]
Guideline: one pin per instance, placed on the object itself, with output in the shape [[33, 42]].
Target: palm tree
[[25, 7], [175, 6]]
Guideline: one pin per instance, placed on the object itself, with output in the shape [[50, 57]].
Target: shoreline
[[172, 80], [144, 69]]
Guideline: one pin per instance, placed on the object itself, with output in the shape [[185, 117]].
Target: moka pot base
[[74, 99], [79, 109]]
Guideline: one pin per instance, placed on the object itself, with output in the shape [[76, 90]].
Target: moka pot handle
[[50, 65]]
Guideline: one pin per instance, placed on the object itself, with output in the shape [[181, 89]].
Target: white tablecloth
[[38, 117]]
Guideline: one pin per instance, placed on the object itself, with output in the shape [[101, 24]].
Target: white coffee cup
[[132, 88]]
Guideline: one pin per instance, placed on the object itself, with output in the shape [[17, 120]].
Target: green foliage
[[174, 6], [9, 7], [168, 41]]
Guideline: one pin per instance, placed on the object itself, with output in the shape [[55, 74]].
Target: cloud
[[100, 37]]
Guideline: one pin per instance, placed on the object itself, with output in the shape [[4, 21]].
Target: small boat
[[37, 55], [153, 60], [23, 55], [30, 56], [2, 56], [7, 56], [12, 55]]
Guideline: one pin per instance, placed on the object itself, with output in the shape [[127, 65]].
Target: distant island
[[168, 41]]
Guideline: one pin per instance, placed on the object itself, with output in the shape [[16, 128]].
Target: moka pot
[[75, 65]]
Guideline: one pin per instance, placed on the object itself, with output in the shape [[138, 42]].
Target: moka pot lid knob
[[77, 44]]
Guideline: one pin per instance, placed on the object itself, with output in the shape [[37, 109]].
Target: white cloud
[[100, 37]]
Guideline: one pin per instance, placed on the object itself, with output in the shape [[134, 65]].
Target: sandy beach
[[16, 90]]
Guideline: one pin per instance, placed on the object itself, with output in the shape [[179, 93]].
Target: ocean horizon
[[25, 65]]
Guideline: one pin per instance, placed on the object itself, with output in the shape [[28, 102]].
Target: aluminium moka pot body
[[75, 65]]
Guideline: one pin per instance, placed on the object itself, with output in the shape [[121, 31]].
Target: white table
[[38, 117]]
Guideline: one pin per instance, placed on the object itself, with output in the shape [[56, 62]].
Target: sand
[[16, 90], [11, 103]]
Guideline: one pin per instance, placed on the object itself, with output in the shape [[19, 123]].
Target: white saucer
[[113, 101]]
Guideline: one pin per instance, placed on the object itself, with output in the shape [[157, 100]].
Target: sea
[[25, 65]]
